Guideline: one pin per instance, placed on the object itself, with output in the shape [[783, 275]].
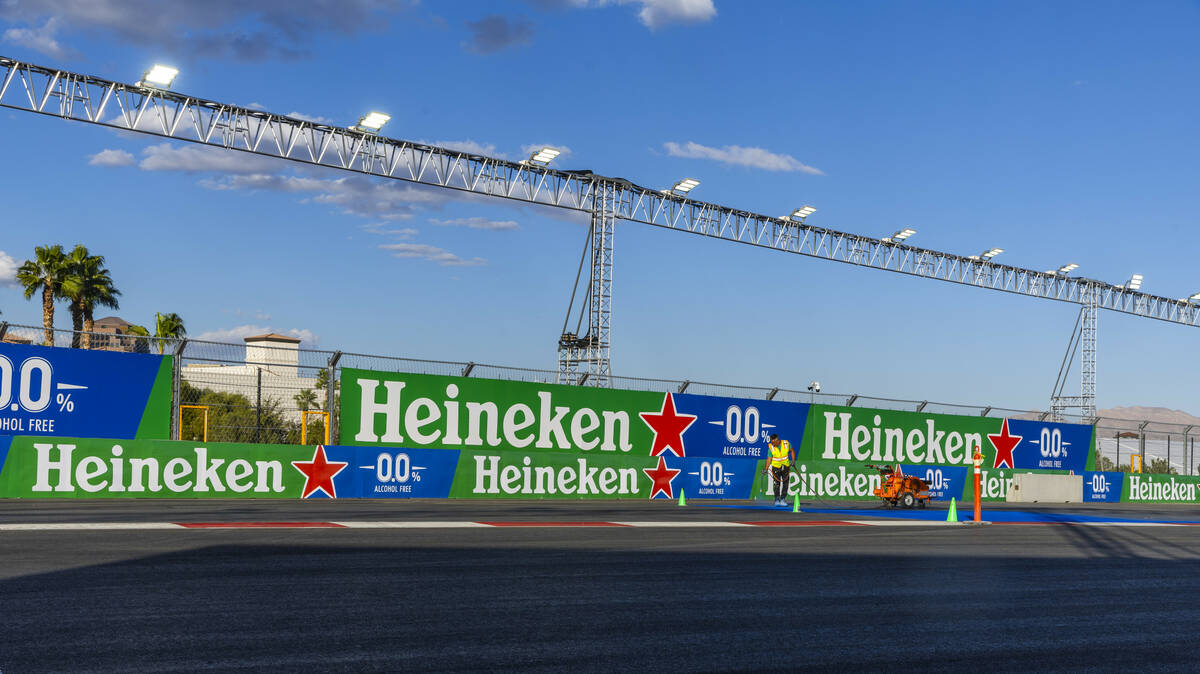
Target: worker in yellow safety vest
[[780, 466]]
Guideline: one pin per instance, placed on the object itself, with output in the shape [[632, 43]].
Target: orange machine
[[898, 489]]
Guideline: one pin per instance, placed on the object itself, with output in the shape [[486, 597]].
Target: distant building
[[277, 357], [112, 334]]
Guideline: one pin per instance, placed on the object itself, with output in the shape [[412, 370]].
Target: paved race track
[[1001, 597]]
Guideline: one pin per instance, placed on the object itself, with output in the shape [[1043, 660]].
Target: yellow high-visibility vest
[[781, 455]]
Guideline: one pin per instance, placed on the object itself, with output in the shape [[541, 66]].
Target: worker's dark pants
[[781, 475]]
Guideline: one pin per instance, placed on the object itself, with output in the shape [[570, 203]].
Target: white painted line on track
[[87, 526], [464, 524], [1127, 524], [906, 523], [682, 525], [413, 525]]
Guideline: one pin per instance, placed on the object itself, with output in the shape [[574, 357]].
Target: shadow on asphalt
[[1126, 599]]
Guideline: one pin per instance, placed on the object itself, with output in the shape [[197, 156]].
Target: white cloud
[[383, 230], [39, 39], [421, 251], [359, 195], [8, 270], [478, 223], [657, 13], [316, 119], [467, 146], [652, 13], [235, 335], [755, 157], [196, 158], [111, 158]]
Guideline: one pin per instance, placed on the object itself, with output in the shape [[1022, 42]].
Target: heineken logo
[[847, 441], [498, 475], [1145, 488], [540, 422], [493, 476], [58, 472]]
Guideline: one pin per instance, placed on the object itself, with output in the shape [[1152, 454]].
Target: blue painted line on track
[[963, 514]]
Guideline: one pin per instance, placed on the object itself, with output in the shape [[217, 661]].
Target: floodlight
[[543, 156], [1195, 297], [159, 76], [815, 386], [803, 212], [373, 122], [900, 235], [686, 185], [1134, 283], [991, 253], [1067, 268]]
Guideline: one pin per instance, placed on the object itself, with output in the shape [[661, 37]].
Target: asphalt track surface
[[565, 598]]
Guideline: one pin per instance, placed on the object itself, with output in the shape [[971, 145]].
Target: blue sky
[[1061, 132]]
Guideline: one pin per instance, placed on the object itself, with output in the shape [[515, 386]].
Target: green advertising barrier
[[1153, 488], [44, 467], [416, 410], [100, 468], [855, 435], [834, 480]]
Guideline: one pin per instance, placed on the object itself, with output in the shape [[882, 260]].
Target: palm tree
[[142, 344], [88, 285], [168, 326], [44, 272], [306, 399]]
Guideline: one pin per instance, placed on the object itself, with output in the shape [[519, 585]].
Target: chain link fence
[[268, 389]]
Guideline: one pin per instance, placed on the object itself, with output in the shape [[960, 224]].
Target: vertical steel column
[[331, 399], [600, 289], [585, 358], [1087, 362], [176, 432]]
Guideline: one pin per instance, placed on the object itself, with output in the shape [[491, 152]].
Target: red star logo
[[1004, 444], [662, 477], [318, 473], [668, 427]]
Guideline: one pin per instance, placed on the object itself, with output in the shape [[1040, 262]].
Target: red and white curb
[[366, 524]]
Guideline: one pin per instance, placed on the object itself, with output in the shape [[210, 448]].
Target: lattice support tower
[[1085, 403], [585, 358]]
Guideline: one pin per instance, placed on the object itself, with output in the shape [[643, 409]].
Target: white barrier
[[1042, 488]]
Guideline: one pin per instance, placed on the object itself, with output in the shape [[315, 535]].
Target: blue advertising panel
[[717, 478], [1102, 486], [1048, 446], [393, 472], [738, 427], [83, 393], [944, 481]]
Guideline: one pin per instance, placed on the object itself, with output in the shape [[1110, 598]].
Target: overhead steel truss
[[59, 93]]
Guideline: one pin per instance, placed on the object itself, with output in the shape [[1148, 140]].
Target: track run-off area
[[162, 585]]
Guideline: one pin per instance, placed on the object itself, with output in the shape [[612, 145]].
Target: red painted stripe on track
[[805, 523], [260, 525], [554, 524]]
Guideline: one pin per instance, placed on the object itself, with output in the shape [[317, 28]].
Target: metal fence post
[[331, 411], [176, 389]]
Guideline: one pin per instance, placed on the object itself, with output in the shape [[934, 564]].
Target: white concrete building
[[277, 358]]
